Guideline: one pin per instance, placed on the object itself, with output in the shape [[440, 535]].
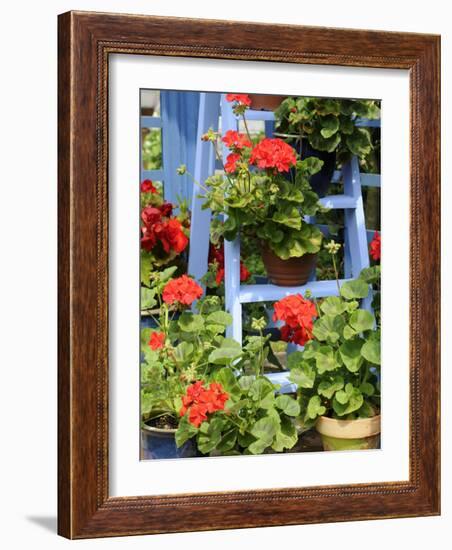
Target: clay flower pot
[[349, 435], [265, 102], [291, 272]]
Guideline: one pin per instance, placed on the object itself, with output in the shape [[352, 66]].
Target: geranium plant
[[264, 191], [328, 124], [184, 346], [337, 372], [164, 235], [238, 415]]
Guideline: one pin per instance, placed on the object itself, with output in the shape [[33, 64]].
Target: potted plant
[[325, 128], [262, 200], [238, 413], [338, 371], [179, 351], [265, 102]]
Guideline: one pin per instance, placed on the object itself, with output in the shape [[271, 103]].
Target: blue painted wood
[[272, 293], [179, 132], [282, 379], [209, 112], [231, 248], [154, 175], [151, 122], [340, 201], [367, 180]]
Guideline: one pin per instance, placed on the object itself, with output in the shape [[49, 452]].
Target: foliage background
[[28, 274]]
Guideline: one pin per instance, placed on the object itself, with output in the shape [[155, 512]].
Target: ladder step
[[272, 293], [282, 379], [339, 201]]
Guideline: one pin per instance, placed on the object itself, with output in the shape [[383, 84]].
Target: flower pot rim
[[349, 429], [148, 428]]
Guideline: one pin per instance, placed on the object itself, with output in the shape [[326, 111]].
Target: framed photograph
[[248, 275]]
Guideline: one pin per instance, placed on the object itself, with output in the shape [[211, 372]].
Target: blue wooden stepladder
[[212, 108]]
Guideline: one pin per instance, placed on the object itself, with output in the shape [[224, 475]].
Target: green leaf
[[303, 376], [327, 388], [262, 391], [367, 388], [294, 359], [289, 216], [183, 351], [371, 275], [228, 380], [359, 143], [371, 351], [148, 300], [286, 437], [328, 328], [219, 318], [265, 429], [245, 382], [361, 320], [288, 405], [351, 354], [353, 402], [167, 273], [355, 289], [315, 407], [326, 359], [310, 165], [298, 243], [190, 322], [145, 267], [209, 435], [330, 125], [324, 144], [226, 354], [333, 306], [185, 431]]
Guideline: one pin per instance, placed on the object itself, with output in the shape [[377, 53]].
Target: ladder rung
[[272, 293], [339, 201], [282, 379]]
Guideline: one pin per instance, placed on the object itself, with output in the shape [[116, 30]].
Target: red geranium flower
[[150, 216], [231, 162], [157, 340], [273, 154], [166, 209], [243, 99], [172, 236], [217, 255], [148, 239], [200, 401], [182, 290], [298, 315], [236, 140], [148, 187], [375, 247]]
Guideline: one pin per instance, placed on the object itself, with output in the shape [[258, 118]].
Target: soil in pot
[[266, 102], [291, 272], [349, 435], [158, 440]]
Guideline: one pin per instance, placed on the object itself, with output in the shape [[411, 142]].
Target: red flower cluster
[[230, 165], [200, 401], [375, 247], [148, 187], [182, 290], [273, 154], [243, 99], [217, 254], [157, 340], [298, 314], [236, 140], [159, 227]]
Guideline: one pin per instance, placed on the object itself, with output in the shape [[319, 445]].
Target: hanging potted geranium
[[325, 128], [265, 194]]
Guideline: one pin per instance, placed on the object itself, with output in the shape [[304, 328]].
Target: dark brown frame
[[85, 42]]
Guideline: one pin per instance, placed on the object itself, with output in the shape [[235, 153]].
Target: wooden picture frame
[[86, 40]]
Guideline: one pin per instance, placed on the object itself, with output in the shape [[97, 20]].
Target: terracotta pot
[[349, 435], [291, 272], [265, 102]]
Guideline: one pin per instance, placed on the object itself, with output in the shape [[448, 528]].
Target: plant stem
[[336, 274], [246, 127]]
